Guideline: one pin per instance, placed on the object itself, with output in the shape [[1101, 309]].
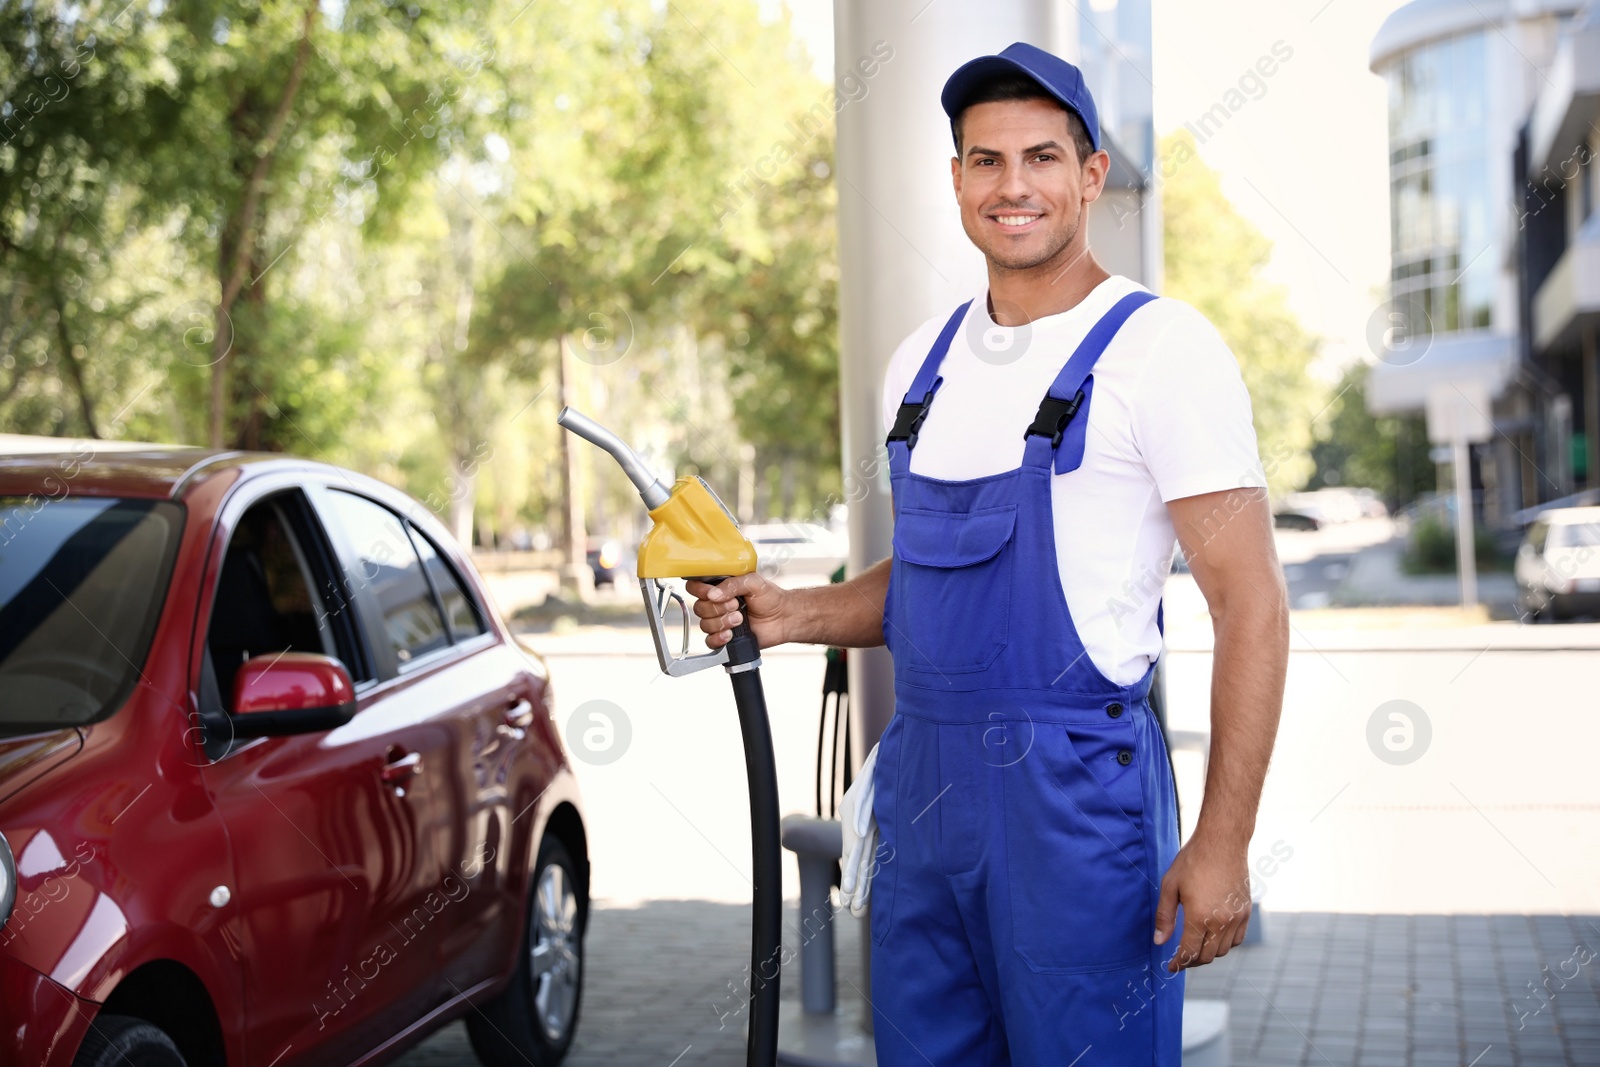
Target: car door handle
[[399, 772], [515, 719], [519, 713]]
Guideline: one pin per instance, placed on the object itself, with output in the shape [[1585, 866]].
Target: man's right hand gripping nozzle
[[719, 611]]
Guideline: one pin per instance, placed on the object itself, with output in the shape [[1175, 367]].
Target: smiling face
[[1020, 186]]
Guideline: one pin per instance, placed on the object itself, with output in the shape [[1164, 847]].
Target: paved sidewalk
[[664, 987], [1337, 990], [1412, 991]]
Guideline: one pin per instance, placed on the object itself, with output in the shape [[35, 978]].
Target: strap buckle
[[1052, 419], [908, 421]]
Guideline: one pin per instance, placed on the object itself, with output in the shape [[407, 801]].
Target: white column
[[903, 256]]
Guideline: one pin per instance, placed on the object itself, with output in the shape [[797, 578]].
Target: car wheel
[[534, 1020], [1542, 614], [123, 1041]]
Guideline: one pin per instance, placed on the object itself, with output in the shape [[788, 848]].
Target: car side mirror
[[291, 693]]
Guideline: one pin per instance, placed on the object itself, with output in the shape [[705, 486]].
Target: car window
[[1537, 533], [266, 600], [1580, 535], [458, 609], [387, 563], [82, 582]]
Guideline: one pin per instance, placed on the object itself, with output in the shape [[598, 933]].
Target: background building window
[[1439, 183]]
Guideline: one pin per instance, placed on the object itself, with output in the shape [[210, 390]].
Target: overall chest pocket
[[951, 588]]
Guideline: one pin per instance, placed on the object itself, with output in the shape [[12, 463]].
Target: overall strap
[[919, 398], [1071, 392]]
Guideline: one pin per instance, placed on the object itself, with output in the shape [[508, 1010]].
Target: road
[[1315, 562], [1488, 818]]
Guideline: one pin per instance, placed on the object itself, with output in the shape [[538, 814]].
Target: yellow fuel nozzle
[[693, 535]]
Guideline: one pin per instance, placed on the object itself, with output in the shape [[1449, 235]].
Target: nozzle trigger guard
[[680, 663]]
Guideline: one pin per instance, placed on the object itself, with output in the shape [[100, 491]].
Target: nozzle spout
[[654, 493]]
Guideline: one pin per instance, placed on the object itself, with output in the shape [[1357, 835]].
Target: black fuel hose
[[766, 846]]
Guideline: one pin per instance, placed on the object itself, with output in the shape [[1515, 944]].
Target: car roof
[[1568, 516], [88, 467]]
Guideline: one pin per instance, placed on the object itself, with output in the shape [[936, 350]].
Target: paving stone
[[1366, 990]]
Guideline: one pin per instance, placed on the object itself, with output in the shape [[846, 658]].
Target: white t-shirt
[[1170, 418]]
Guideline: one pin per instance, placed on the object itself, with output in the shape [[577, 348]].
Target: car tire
[[1542, 616], [123, 1041], [533, 1021]]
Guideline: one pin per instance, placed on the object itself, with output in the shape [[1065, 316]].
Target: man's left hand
[[1212, 882]]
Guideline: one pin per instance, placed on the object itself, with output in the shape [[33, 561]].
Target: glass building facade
[[1114, 55], [1442, 260]]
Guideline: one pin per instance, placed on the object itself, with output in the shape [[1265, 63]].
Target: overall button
[[1125, 757], [1114, 710]]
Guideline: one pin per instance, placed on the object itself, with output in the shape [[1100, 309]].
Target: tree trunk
[[576, 575], [465, 394], [236, 251], [747, 482], [463, 493], [786, 481], [248, 388], [763, 493], [69, 359]]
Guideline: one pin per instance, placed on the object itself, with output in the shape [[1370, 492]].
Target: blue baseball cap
[[1056, 76]]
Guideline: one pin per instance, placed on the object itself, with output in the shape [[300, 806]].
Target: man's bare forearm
[[1227, 537], [847, 614], [1247, 677]]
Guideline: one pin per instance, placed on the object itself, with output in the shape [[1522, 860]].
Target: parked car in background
[[1286, 518], [1558, 565], [1326, 505], [796, 549], [1371, 504], [277, 784], [1317, 508], [608, 561]]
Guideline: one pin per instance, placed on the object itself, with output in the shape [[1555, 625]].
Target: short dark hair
[[1022, 87]]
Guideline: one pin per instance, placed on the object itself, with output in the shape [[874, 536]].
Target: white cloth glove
[[860, 832]]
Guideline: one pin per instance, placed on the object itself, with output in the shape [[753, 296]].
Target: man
[[1046, 442]]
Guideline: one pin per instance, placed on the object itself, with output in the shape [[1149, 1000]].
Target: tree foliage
[[84, 96], [384, 218], [1213, 260], [1356, 448]]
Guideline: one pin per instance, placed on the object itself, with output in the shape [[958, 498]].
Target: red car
[[277, 785]]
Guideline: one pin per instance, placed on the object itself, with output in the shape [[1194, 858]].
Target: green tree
[[1213, 260], [777, 329], [701, 232], [282, 100], [83, 96], [1356, 448], [372, 209], [159, 166]]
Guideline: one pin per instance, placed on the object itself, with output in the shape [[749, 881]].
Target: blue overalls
[[1025, 804]]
